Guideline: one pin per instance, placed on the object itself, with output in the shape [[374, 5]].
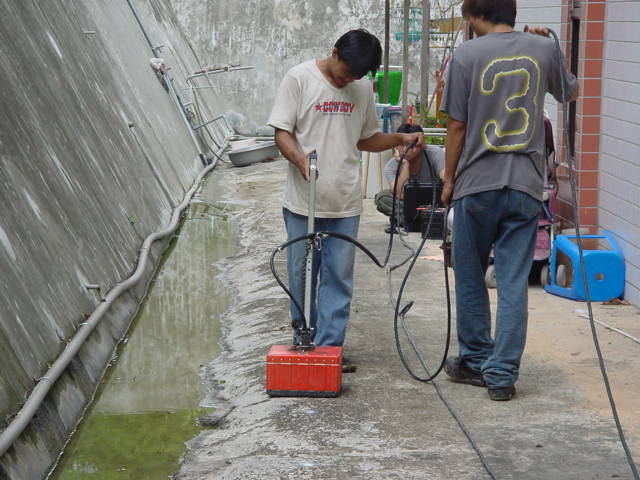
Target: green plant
[[431, 122]]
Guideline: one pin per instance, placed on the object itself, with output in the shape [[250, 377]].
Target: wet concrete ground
[[386, 425]]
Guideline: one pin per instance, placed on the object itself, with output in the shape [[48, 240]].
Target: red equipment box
[[304, 373]]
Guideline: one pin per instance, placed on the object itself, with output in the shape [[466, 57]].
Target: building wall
[[607, 151], [619, 186]]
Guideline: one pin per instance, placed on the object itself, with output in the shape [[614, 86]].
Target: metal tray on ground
[[250, 154]]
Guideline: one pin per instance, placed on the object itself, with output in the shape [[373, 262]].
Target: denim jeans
[[332, 282], [506, 219]]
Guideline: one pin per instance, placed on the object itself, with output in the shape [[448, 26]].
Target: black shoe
[[502, 394], [388, 230], [348, 366], [459, 372]]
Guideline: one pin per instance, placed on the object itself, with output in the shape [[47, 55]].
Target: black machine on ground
[[417, 209]]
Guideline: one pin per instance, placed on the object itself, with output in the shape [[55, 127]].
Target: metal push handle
[[313, 170]]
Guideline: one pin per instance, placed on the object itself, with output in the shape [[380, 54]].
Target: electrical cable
[[453, 413], [322, 234], [398, 313], [401, 313], [430, 378], [583, 269], [381, 264]]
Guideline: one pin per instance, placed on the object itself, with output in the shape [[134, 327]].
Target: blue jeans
[[506, 219], [332, 283]]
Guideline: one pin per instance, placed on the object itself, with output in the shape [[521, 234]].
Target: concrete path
[[387, 425]]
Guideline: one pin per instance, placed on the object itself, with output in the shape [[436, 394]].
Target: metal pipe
[[230, 131], [31, 406], [208, 122], [311, 216], [613, 329], [405, 61], [144, 32], [219, 70], [425, 55], [385, 77]]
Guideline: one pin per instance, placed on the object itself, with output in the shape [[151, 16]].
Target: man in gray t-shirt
[[416, 167], [494, 170], [435, 157]]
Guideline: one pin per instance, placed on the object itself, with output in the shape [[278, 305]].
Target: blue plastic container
[[604, 266]]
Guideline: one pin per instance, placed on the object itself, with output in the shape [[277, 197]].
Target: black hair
[[409, 128], [493, 11], [361, 51]]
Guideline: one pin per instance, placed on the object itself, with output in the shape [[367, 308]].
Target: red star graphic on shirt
[[318, 107]]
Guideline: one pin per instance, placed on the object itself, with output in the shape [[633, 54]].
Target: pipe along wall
[[94, 155]]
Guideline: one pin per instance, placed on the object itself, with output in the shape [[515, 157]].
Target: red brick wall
[[590, 61]]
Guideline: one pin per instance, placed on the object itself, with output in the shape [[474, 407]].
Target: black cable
[[455, 416], [413, 257], [583, 268], [382, 264], [401, 314], [431, 378], [375, 260]]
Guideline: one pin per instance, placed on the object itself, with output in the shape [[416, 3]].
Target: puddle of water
[[148, 402], [132, 446]]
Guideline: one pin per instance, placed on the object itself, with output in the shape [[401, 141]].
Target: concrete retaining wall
[[94, 154], [277, 35]]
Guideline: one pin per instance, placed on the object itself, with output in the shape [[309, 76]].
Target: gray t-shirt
[[496, 84], [436, 156]]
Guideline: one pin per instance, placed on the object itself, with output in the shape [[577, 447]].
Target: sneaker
[[388, 230], [348, 366], [459, 372], [502, 394]]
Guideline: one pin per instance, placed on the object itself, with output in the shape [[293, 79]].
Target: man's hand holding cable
[[379, 142], [409, 138], [542, 31], [447, 192]]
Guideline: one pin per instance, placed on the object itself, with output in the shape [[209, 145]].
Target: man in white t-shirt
[[323, 105]]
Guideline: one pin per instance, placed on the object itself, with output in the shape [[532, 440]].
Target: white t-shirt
[[330, 120]]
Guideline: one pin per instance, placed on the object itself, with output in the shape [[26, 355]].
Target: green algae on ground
[[130, 447]]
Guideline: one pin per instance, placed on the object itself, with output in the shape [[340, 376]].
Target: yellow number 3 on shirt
[[515, 84]]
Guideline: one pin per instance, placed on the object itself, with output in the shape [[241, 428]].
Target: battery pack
[[418, 198], [304, 373]]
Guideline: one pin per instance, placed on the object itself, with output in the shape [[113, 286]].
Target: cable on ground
[[594, 333]]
